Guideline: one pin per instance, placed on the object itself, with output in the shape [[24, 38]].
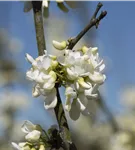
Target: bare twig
[[93, 22], [37, 5]]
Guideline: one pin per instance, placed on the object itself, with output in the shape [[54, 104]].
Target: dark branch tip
[[100, 4]]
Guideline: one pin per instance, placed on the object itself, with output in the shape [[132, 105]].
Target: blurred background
[[111, 125]]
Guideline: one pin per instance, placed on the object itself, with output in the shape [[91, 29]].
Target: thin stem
[[59, 111], [93, 22], [37, 10]]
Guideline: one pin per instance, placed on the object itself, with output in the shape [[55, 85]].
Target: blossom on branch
[[79, 71], [34, 137]]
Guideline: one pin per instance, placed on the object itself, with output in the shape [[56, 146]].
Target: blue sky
[[115, 39]]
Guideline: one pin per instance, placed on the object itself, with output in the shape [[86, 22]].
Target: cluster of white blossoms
[[79, 71], [34, 138]]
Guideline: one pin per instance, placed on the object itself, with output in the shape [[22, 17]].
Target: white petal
[[28, 126], [61, 60], [101, 68], [48, 86], [97, 77], [70, 92], [45, 3], [39, 78], [29, 58], [82, 100], [95, 89], [33, 136], [74, 111], [35, 91], [51, 100], [86, 112], [90, 95], [46, 62], [16, 146], [32, 75], [68, 104], [71, 74], [83, 83]]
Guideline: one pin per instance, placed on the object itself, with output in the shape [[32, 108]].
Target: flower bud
[[53, 75], [83, 83], [54, 64], [60, 45], [29, 58], [53, 57], [84, 49], [35, 92], [94, 50], [42, 147]]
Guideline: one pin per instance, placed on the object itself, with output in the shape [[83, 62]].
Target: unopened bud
[[60, 45], [84, 49], [42, 147], [54, 64], [94, 50]]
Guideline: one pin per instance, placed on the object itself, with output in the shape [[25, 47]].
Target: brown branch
[[37, 10], [93, 22]]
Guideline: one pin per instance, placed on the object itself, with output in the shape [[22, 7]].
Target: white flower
[[28, 127], [43, 75], [33, 136]]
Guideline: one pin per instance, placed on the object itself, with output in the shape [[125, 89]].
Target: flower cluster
[[34, 137], [79, 71]]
